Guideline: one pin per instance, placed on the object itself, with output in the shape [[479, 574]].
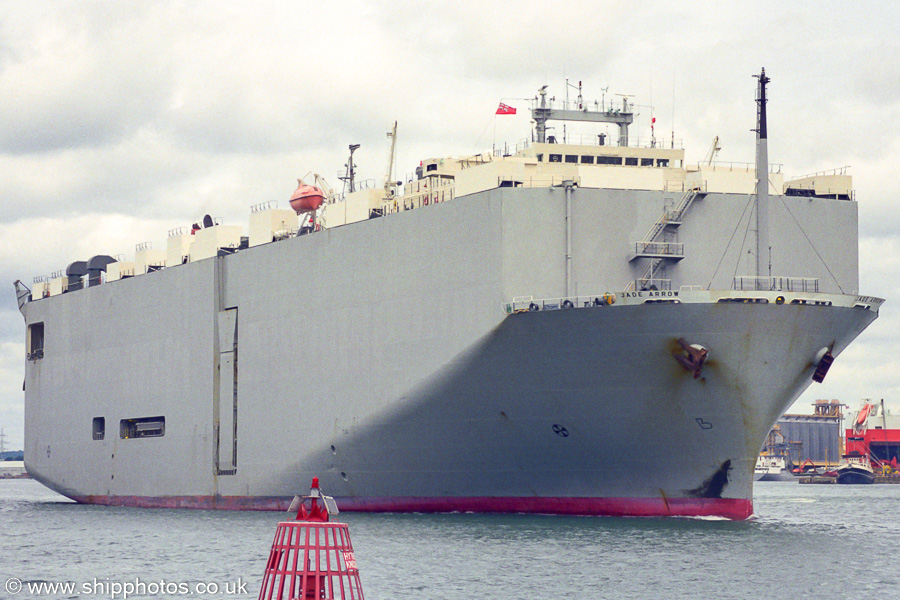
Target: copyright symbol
[[13, 585]]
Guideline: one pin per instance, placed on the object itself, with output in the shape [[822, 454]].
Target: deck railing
[[776, 284]]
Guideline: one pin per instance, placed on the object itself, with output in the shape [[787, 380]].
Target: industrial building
[[12, 469], [815, 438]]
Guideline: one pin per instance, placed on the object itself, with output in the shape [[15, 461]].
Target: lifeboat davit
[[307, 198]]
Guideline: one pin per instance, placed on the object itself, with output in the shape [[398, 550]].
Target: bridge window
[[587, 160], [646, 162], [571, 158], [631, 162], [609, 160], [662, 162], [556, 158]]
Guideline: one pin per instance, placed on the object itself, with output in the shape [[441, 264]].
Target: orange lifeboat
[[863, 414], [307, 198]]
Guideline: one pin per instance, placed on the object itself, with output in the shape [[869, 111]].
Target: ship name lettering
[[651, 294], [866, 299]]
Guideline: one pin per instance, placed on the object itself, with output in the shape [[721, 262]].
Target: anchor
[[693, 358]]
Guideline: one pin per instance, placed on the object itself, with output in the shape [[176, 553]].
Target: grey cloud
[[74, 77], [114, 115]]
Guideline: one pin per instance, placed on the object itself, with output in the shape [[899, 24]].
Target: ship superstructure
[[570, 328], [874, 431]]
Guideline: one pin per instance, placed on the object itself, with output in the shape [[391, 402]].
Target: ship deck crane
[[390, 186], [713, 151]]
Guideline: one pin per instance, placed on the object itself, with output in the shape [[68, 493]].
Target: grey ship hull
[[378, 357]]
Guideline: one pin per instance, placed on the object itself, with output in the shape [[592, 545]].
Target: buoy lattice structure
[[311, 557]]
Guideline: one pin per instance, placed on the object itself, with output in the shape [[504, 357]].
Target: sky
[[122, 120]]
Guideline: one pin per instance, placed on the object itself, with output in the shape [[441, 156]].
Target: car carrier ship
[[572, 327]]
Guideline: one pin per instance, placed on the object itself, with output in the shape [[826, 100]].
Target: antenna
[[652, 118], [580, 100], [2, 441], [673, 110]]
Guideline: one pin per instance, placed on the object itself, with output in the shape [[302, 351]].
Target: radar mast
[[349, 177], [542, 111]]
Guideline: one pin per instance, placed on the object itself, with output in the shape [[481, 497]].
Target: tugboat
[[856, 464], [771, 468], [773, 462], [855, 468]]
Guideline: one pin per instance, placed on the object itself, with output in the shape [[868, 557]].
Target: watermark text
[[122, 590]]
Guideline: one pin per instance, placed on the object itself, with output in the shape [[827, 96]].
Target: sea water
[[805, 541]]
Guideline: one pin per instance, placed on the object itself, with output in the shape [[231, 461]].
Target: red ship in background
[[875, 433]]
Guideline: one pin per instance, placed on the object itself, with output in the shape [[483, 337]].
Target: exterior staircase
[[658, 252]]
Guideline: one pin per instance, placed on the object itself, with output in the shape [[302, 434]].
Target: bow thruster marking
[[560, 430]]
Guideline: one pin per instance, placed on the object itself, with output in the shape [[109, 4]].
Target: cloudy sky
[[122, 120]]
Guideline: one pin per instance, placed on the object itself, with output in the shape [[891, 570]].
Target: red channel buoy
[[311, 556]]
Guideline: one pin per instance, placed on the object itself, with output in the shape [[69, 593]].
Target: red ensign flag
[[505, 109]]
